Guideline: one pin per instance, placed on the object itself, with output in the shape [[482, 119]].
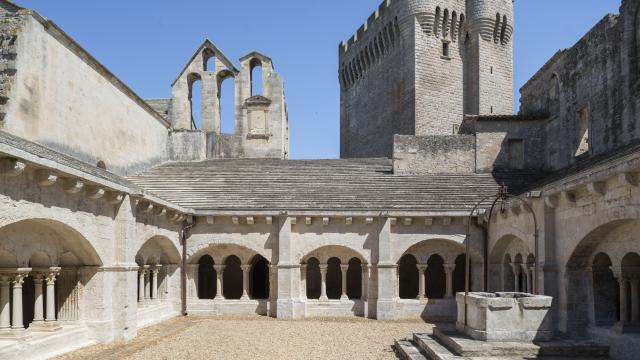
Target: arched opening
[[354, 279], [209, 60], [459, 274], [630, 272], [436, 281], [409, 276], [227, 102], [256, 77], [461, 29], [195, 100], [206, 278], [313, 279], [496, 29], [445, 23], [509, 280], [436, 23], [605, 291], [334, 278], [503, 31], [232, 284], [454, 20], [259, 278]]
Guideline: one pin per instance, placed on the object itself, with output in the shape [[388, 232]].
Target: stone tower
[[416, 67]]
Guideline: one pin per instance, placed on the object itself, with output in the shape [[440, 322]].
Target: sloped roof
[[313, 185], [207, 44]]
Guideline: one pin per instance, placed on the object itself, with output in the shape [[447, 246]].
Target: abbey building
[[118, 212]]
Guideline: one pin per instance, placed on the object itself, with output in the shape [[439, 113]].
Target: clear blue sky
[[147, 42]]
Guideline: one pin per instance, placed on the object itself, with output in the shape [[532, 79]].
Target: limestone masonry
[[118, 212]]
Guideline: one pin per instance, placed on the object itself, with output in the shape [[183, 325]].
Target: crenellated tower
[[416, 67], [490, 68]]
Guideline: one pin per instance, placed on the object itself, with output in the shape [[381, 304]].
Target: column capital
[[219, 268], [364, 266], [303, 266], [51, 275], [323, 267], [344, 267], [449, 267], [245, 268], [422, 267]]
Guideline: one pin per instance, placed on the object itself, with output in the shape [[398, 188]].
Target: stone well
[[505, 316]]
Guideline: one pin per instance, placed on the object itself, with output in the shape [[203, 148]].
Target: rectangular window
[[445, 49], [583, 131], [516, 154]]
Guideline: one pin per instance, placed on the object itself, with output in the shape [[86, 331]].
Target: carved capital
[[219, 268]]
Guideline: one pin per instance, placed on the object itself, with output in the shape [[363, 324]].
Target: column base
[[344, 298], [48, 326], [14, 334], [323, 299]]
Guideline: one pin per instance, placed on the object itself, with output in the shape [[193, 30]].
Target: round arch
[[343, 253], [25, 237], [219, 252], [158, 248]]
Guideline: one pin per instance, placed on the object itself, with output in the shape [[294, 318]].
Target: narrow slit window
[[583, 132]]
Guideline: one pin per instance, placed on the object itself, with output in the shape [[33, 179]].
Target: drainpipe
[[186, 226]]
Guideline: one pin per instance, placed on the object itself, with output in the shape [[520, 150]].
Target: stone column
[[245, 281], [219, 281], [515, 278], [397, 290], [635, 303], [421, 281], [154, 282], [140, 284], [448, 269], [16, 318], [343, 270], [323, 283], [525, 279], [147, 283], [531, 278], [365, 282], [5, 307], [624, 312], [303, 282], [51, 294], [38, 306]]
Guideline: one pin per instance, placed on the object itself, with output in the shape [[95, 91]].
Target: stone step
[[428, 344], [407, 350], [563, 348]]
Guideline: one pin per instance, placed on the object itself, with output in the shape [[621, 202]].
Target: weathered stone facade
[[417, 67], [104, 231]]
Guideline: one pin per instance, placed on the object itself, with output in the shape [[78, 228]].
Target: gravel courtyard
[[259, 338]]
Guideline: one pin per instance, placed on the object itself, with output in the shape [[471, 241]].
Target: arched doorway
[[334, 279], [605, 291], [232, 285], [436, 282], [354, 279], [207, 284], [259, 278], [409, 277], [459, 275], [313, 278]]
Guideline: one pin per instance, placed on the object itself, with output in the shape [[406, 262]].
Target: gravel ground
[[258, 338]]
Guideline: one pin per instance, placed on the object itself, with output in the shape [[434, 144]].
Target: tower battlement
[[417, 67]]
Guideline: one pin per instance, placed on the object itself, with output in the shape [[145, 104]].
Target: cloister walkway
[[259, 338]]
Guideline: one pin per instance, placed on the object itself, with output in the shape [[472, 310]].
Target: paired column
[[154, 281], [303, 277], [343, 270], [219, 281], [448, 269], [17, 322], [515, 277], [5, 307], [51, 294], [141, 284], [38, 306], [624, 311], [147, 283], [323, 282], [245, 281], [635, 302], [422, 268]]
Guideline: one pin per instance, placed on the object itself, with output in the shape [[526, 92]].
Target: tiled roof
[[349, 184]]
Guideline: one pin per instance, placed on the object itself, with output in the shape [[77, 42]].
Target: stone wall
[[442, 154], [61, 97], [452, 58], [595, 79]]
